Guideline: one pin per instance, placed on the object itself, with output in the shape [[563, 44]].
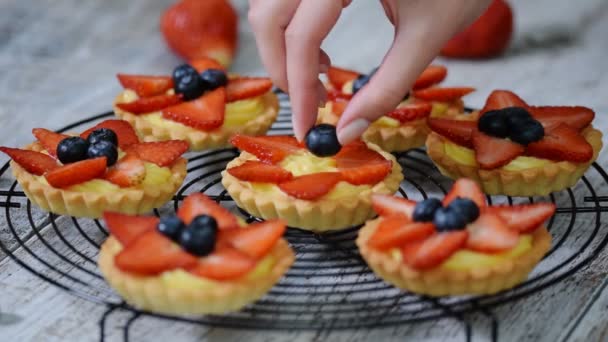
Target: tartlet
[[483, 250], [167, 270]]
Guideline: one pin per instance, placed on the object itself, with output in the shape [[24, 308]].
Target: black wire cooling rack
[[329, 286]]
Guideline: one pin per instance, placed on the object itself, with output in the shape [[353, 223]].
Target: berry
[[386, 205], [322, 140], [447, 219], [428, 253], [490, 234], [523, 218], [162, 153], [124, 131], [458, 131], [171, 227], [33, 162], [494, 123], [442, 94], [182, 70], [394, 231], [198, 204], [200, 236], [528, 132], [257, 239], [214, 78], [467, 208], [465, 188], [103, 149], [360, 82], [127, 172], [432, 75], [411, 111], [146, 86], [562, 143], [491, 152], [76, 173], [190, 86], [126, 228], [500, 99], [204, 63], [577, 117], [425, 210], [311, 186], [358, 164], [247, 87], [224, 263], [338, 76], [256, 171], [516, 116], [150, 104], [205, 113], [268, 149], [102, 134], [49, 139], [72, 149]]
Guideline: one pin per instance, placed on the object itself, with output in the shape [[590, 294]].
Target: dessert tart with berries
[[515, 149], [199, 103], [104, 168], [319, 187], [202, 260], [457, 246], [405, 127]]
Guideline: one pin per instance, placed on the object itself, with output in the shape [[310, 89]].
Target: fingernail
[[352, 131], [323, 68]]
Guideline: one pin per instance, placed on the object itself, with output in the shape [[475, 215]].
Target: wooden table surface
[[58, 60]]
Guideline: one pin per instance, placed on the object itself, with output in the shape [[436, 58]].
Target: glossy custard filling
[[466, 156]]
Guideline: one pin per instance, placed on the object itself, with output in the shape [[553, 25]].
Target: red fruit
[[411, 111], [432, 75], [246, 87], [492, 152], [523, 218], [490, 234], [128, 171], [33, 162], [205, 113], [195, 29], [152, 253], [386, 205], [312, 186], [394, 231], [162, 153], [125, 133], [458, 131], [49, 139], [338, 106], [338, 76], [257, 239], [223, 264], [360, 165], [256, 171], [465, 188], [577, 117], [488, 36], [268, 149], [500, 99], [335, 94], [127, 228], [150, 104], [562, 143], [76, 173], [144, 85], [203, 63], [198, 204], [433, 251], [442, 94]]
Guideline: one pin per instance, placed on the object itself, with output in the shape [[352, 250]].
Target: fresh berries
[[268, 149], [311, 186], [33, 162], [465, 188], [171, 227], [223, 264], [411, 111], [448, 219], [127, 228], [124, 131], [76, 173], [494, 123], [431, 252], [48, 139], [247, 87], [72, 149], [103, 149], [198, 204], [360, 82], [200, 235], [150, 104], [256, 171], [425, 210], [562, 143], [529, 132], [183, 70], [458, 131], [338, 76], [386, 205], [442, 94], [322, 140], [456, 215], [491, 152], [491, 234], [394, 231], [162, 153], [577, 117], [432, 75], [214, 78], [204, 63], [146, 86], [523, 218], [499, 99], [257, 239], [102, 134], [205, 112], [465, 207], [190, 86], [128, 171], [358, 164], [513, 122], [515, 116]]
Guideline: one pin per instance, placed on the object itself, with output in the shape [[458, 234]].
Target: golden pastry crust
[[441, 282], [92, 205], [200, 140], [152, 293], [322, 215], [538, 181]]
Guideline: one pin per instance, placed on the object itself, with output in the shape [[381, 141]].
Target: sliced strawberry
[[367, 174], [458, 131], [223, 264], [492, 152], [246, 87], [465, 188], [425, 254], [411, 111], [490, 234], [268, 149], [338, 106], [338, 76], [76, 173], [394, 231], [256, 171], [562, 143], [49, 139], [257, 239], [432, 75], [198, 204], [128, 171], [162, 153], [124, 131], [356, 154], [386, 205], [203, 63], [577, 117], [360, 165], [336, 94], [150, 104], [312, 186], [500, 99], [145, 85], [152, 253], [33, 162], [205, 113], [524, 218], [127, 228], [442, 94]]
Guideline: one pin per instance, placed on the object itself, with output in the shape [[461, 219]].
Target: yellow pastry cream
[[466, 156]]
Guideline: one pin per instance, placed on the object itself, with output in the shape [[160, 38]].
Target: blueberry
[[104, 149], [181, 71], [190, 86], [494, 123], [214, 78], [72, 149], [199, 237], [447, 219], [527, 132], [359, 82], [425, 211], [322, 140], [516, 115], [103, 134], [171, 227], [466, 207]]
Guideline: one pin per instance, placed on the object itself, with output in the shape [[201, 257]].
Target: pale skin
[[289, 34]]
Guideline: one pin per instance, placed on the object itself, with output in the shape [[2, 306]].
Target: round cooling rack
[[329, 285]]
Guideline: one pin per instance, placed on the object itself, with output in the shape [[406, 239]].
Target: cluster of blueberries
[[197, 238], [191, 85], [514, 123], [102, 142], [455, 216]]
